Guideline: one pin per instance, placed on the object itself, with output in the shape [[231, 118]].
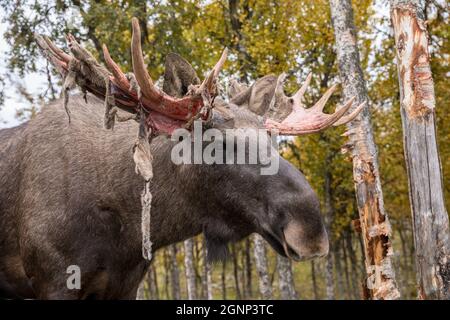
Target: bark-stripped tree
[[189, 267], [417, 106], [375, 226]]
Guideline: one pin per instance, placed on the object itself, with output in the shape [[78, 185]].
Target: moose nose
[[305, 242]]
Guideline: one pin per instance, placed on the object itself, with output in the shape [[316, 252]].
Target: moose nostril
[[305, 243]]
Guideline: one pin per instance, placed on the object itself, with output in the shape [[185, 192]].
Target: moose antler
[[289, 116], [176, 108], [164, 112]]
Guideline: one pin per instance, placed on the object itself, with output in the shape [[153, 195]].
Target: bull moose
[[69, 193]]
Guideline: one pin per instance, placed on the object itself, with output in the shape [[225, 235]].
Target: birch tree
[[286, 279], [237, 280], [190, 269], [265, 286], [248, 269], [175, 273], [329, 212], [417, 107], [207, 274], [375, 226], [140, 294]]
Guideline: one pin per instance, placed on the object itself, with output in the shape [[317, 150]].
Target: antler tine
[[114, 86], [279, 89], [298, 96], [212, 76], [324, 99], [333, 118], [139, 68], [50, 54], [71, 41], [301, 120], [221, 62], [351, 116], [57, 51], [112, 66]]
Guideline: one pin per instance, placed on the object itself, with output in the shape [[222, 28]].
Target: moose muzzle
[[302, 243]]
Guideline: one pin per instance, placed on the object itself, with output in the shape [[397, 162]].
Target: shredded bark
[[143, 159], [385, 289], [430, 217], [146, 201], [134, 86], [415, 72]]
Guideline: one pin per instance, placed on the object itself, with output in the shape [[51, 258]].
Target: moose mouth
[[278, 242]]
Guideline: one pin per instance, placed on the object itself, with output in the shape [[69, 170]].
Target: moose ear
[[178, 76], [262, 93], [236, 88], [257, 98]]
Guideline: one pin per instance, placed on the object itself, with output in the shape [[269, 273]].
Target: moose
[[69, 193]]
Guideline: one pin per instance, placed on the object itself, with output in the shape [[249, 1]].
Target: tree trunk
[[286, 279], [353, 265], [236, 13], [207, 274], [417, 105], [265, 286], [224, 280], [248, 270], [175, 272], [236, 271], [140, 294], [313, 279], [166, 265], [374, 222], [329, 212], [190, 269], [153, 283], [405, 253], [329, 281], [339, 273], [347, 279]]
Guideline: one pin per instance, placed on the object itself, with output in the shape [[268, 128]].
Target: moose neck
[[177, 212]]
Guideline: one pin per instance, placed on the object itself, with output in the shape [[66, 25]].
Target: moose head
[[236, 200]]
